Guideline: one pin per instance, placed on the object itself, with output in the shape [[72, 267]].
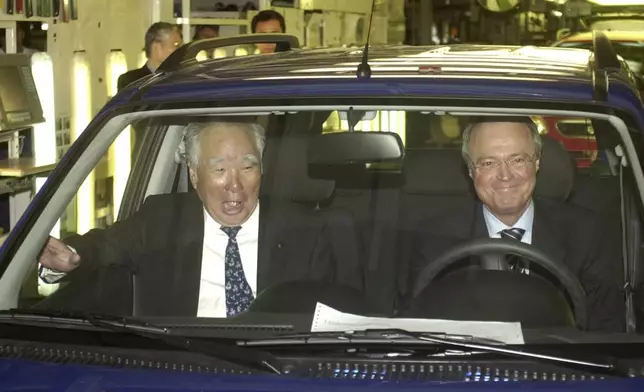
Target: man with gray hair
[[161, 39], [503, 156], [207, 253]]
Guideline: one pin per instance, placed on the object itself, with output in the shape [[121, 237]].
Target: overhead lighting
[[81, 116], [119, 157]]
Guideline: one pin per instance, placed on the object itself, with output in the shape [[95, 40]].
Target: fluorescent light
[[202, 56], [81, 116], [44, 133], [220, 53], [44, 140], [119, 157], [142, 59], [46, 289], [240, 52]]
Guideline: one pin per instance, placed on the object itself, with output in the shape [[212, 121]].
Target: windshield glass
[[273, 213], [631, 51]]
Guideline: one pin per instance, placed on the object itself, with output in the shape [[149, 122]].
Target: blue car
[[419, 227]]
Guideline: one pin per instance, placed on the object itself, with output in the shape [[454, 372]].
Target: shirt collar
[[250, 226], [494, 225]]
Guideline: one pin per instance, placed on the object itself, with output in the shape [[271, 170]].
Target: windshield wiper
[[367, 336], [398, 337], [249, 358]]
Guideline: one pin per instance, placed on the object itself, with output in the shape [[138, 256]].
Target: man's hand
[[59, 257]]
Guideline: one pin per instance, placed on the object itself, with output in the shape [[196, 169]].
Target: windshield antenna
[[364, 70]]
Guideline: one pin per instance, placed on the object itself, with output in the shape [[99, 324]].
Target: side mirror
[[355, 147], [498, 5]]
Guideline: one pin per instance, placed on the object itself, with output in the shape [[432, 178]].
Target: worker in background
[[266, 22], [206, 32], [161, 40]]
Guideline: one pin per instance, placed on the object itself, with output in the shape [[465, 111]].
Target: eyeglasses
[[516, 163]]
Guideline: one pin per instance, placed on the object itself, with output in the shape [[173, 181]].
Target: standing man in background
[[161, 40], [206, 32], [266, 22]]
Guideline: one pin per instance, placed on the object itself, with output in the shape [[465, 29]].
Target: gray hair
[[158, 32], [467, 134], [192, 135]]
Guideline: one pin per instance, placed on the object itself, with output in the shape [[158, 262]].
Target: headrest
[[286, 172], [439, 171], [556, 175]]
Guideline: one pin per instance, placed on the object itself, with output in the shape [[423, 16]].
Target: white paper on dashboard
[[327, 319]]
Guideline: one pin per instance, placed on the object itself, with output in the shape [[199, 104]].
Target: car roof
[[389, 61], [612, 35], [482, 72]]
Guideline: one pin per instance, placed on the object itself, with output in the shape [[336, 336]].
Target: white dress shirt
[[494, 225], [212, 291]]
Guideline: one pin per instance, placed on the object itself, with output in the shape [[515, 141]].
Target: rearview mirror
[[355, 147], [498, 5]]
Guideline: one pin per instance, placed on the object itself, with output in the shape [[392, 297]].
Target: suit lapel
[[478, 227], [544, 234], [265, 238], [186, 279]]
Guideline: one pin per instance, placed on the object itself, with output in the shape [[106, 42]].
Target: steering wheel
[[501, 246]]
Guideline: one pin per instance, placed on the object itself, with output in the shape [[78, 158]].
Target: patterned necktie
[[514, 262], [239, 295]]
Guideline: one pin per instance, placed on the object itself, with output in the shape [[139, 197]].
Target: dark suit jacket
[[132, 76], [162, 244], [568, 234]]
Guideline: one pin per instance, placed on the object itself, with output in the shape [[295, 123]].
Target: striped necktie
[[515, 263]]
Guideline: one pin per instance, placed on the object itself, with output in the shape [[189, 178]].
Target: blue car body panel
[[19, 375]]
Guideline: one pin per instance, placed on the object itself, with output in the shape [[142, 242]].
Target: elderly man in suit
[[208, 253], [503, 157]]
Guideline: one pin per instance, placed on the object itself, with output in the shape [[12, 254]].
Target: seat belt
[[630, 240], [631, 237]]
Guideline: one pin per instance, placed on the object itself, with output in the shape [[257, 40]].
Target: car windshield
[[378, 212], [631, 51]]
